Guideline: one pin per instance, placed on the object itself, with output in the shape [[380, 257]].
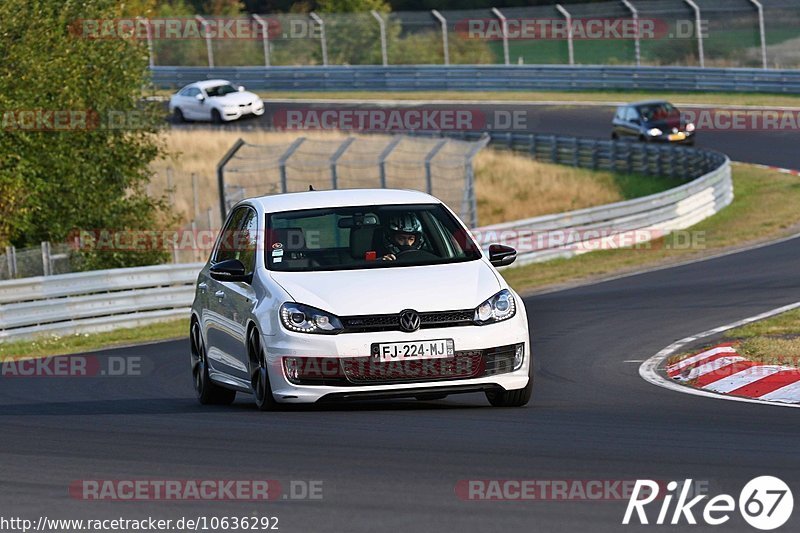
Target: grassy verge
[[774, 341], [732, 99], [53, 345], [767, 206]]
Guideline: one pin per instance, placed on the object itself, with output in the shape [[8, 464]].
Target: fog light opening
[[519, 356], [292, 366]]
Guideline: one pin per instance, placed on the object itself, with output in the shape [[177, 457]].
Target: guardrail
[[103, 300], [488, 78], [95, 301]]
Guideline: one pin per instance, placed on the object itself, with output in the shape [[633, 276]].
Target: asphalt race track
[[394, 466], [769, 147]]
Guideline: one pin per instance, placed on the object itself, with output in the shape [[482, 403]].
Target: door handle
[[220, 294], [202, 286]]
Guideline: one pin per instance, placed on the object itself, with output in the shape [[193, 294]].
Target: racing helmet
[[405, 223]]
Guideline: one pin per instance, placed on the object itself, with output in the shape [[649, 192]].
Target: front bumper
[[355, 347], [683, 137], [234, 113]]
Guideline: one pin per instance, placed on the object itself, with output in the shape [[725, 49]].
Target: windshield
[[220, 90], [348, 238], [658, 111]]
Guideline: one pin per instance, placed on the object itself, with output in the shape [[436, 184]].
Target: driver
[[404, 233]]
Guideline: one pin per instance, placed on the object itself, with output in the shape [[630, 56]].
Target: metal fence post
[[428, 158], [265, 39], [636, 38], [223, 207], [570, 36], [335, 158], [504, 25], [697, 26], [45, 258], [762, 31], [443, 22], [384, 155], [322, 40], [207, 35], [282, 162], [382, 24], [470, 203], [149, 35], [11, 258]]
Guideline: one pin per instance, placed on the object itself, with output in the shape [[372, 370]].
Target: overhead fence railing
[[442, 167], [488, 78], [711, 33], [102, 300]]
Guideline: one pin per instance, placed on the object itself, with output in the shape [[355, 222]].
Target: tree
[[83, 160]]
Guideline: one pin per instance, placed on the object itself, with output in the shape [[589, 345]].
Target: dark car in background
[[652, 121]]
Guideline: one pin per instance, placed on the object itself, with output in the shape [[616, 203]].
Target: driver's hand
[[388, 257]]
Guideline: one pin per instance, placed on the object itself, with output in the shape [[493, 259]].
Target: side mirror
[[229, 270], [241, 88], [200, 97], [501, 255]]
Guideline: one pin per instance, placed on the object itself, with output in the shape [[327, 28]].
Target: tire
[[208, 392], [614, 136], [259, 376], [178, 115], [216, 118], [513, 398]]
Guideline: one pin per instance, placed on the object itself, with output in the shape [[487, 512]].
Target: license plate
[[409, 351], [677, 136]]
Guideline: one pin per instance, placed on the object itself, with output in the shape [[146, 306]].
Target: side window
[[226, 242], [621, 113], [633, 114], [248, 242]]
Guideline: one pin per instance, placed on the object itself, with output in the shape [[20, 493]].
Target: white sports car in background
[[214, 100], [353, 294]]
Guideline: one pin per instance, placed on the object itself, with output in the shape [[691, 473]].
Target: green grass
[[767, 206], [54, 345], [784, 324]]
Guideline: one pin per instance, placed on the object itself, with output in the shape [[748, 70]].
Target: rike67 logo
[[765, 503]]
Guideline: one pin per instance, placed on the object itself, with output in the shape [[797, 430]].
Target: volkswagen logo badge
[[409, 320]]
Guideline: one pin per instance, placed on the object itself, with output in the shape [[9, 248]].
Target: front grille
[[438, 319], [354, 371]]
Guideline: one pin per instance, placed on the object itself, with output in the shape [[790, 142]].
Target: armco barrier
[[107, 299], [488, 78], [95, 301]]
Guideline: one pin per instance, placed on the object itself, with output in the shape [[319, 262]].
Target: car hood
[[390, 290], [667, 124], [236, 98]]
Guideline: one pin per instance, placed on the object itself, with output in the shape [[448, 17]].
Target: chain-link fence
[[442, 167], [722, 33], [45, 260]]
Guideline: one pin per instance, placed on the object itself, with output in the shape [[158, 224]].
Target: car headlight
[[499, 307], [690, 127], [306, 319], [654, 132]]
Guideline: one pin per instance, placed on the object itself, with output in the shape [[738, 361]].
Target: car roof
[[339, 198], [208, 83], [648, 102]]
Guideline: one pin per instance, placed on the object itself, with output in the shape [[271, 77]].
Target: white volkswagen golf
[[355, 294]]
